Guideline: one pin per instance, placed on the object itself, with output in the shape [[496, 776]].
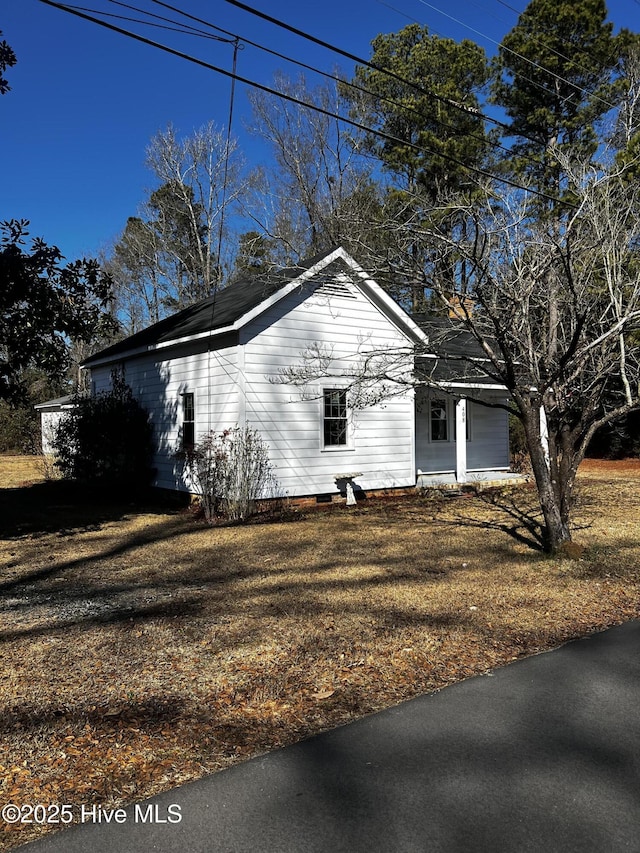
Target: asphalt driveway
[[542, 755]]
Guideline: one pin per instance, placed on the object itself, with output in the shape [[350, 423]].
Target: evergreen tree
[[428, 104], [555, 77], [437, 114]]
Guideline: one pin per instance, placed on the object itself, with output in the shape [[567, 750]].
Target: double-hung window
[[334, 421], [188, 421], [439, 420], [442, 420]]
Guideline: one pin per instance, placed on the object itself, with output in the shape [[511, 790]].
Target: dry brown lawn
[[20, 471], [140, 649]]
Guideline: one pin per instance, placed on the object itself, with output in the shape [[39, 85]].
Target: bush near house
[[106, 439]]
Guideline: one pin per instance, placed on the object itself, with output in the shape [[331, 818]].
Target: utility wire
[[429, 93], [180, 28], [507, 6], [292, 99], [368, 64], [353, 86], [223, 208], [314, 70], [360, 61], [518, 55]]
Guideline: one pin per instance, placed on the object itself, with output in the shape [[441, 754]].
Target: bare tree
[[205, 176], [321, 193], [550, 307], [135, 265], [173, 253]]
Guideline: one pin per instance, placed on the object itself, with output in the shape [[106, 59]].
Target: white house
[[219, 363]]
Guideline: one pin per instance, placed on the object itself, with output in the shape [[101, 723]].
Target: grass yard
[[140, 649]]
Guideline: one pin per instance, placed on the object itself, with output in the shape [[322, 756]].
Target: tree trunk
[[555, 500]]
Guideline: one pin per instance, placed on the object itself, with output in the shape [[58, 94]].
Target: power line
[[185, 29], [471, 110], [518, 55], [507, 6], [299, 102], [233, 37], [360, 61], [366, 63], [577, 47], [328, 75]]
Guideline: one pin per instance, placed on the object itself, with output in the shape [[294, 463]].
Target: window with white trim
[[334, 419], [188, 421]]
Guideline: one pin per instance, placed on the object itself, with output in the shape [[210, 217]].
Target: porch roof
[[457, 356]]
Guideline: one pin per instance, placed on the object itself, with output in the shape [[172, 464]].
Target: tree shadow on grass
[[514, 512], [63, 506], [148, 714]]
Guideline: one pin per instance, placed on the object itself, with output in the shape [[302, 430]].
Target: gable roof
[[236, 304]]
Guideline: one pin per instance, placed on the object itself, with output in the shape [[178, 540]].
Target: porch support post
[[461, 440], [544, 435]]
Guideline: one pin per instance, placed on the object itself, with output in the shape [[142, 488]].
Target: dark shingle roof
[[459, 355], [59, 402], [215, 312], [449, 336]]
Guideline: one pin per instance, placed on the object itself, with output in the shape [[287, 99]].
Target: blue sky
[[85, 102]]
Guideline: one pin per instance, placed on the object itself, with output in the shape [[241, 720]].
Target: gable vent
[[336, 286]]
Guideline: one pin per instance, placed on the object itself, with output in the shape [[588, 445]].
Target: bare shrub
[[231, 472]]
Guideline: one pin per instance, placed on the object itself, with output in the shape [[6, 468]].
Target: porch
[[460, 442], [474, 479]]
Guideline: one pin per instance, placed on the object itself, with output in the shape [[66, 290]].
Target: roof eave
[[399, 317]]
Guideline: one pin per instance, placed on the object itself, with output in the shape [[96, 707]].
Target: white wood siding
[[381, 437], [159, 384]]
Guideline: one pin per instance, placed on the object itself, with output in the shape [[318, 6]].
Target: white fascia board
[[397, 314], [475, 385], [151, 348], [58, 407]]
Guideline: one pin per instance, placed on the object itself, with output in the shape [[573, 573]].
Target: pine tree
[[555, 77]]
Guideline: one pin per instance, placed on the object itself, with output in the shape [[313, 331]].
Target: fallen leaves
[[323, 694], [201, 647]]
